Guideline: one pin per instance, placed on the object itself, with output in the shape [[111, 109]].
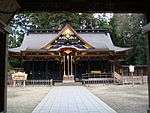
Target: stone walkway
[[72, 99]]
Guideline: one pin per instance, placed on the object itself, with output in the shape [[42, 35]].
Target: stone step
[[68, 84]]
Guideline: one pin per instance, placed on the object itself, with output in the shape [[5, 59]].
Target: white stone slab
[[71, 99]]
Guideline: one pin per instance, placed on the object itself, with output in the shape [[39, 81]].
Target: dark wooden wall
[[42, 70], [86, 66]]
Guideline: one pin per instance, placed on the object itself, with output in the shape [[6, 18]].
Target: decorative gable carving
[[68, 37]]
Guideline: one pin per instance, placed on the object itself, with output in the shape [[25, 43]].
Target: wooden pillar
[[46, 70], [71, 67], [33, 77], [88, 65], [148, 59], [68, 65], [60, 70], [113, 70], [111, 67], [75, 70], [3, 71], [64, 66], [142, 81]]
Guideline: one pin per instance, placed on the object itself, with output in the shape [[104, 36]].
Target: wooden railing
[[31, 83], [135, 79], [116, 78], [90, 78]]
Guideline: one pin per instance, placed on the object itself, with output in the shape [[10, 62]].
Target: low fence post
[[24, 83], [14, 83], [132, 78]]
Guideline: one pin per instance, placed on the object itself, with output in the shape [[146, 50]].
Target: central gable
[[67, 37]]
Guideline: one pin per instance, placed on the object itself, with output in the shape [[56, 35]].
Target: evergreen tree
[[127, 32]]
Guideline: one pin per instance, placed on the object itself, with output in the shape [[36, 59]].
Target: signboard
[[96, 72], [19, 76], [131, 68]]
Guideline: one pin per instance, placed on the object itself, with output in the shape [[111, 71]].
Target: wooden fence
[[111, 78], [134, 79], [106, 78], [31, 83]]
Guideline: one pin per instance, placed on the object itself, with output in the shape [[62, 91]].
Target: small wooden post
[[24, 83], [142, 81], [132, 75], [131, 69], [14, 83]]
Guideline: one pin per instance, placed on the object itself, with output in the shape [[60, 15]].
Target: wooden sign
[[96, 72], [19, 76]]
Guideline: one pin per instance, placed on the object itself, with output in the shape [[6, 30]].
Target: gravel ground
[[123, 98], [25, 99]]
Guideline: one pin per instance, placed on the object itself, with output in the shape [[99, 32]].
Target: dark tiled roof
[[101, 41], [97, 39]]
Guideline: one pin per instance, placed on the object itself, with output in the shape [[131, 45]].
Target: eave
[[124, 6]]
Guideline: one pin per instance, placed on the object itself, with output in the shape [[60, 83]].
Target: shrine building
[[67, 53]]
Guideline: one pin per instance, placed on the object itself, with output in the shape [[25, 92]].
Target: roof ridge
[[77, 30]]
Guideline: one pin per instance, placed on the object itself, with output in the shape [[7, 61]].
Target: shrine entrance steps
[[68, 80], [68, 83]]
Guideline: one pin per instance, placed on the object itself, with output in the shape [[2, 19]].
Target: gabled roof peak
[[67, 36]]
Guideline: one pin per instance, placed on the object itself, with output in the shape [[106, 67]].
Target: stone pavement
[[71, 99]]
